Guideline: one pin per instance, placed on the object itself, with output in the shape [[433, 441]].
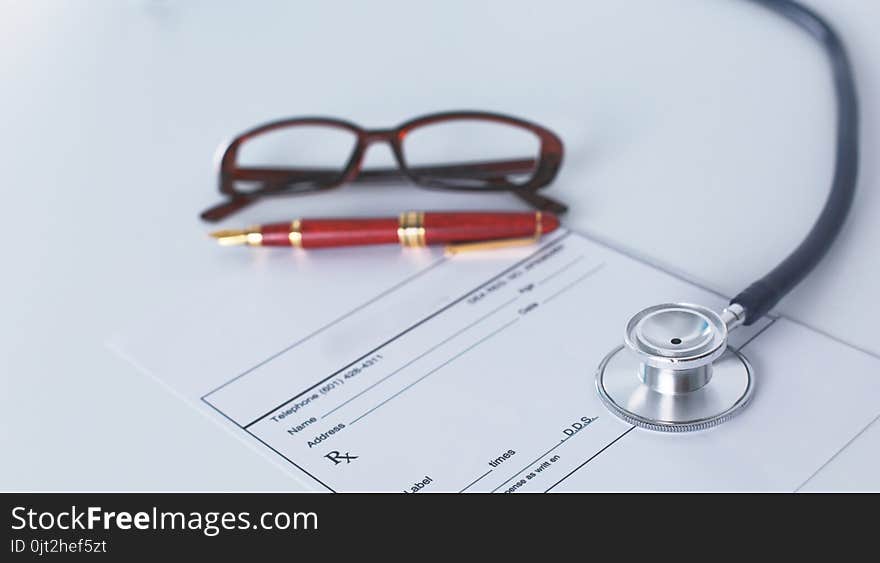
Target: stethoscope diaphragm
[[675, 372]]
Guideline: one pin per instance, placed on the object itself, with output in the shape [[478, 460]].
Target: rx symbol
[[338, 458]]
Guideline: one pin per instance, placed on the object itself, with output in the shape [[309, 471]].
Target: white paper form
[[477, 375]]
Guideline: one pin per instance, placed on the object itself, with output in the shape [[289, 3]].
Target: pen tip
[[231, 237]]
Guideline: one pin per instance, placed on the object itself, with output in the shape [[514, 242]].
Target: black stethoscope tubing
[[762, 295]]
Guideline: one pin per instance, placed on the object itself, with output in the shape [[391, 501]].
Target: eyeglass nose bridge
[[370, 137], [365, 139], [379, 136]]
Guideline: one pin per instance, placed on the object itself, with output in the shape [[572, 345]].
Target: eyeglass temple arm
[[277, 178], [317, 175], [228, 207], [541, 202]]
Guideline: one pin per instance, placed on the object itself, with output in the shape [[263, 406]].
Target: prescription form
[[476, 374]]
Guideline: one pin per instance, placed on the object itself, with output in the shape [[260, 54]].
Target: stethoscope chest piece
[[675, 372]]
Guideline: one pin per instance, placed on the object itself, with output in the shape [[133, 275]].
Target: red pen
[[460, 231]]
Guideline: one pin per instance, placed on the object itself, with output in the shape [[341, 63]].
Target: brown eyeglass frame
[[293, 181]]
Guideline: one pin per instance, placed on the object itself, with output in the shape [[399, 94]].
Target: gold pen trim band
[[539, 227], [411, 228], [295, 235]]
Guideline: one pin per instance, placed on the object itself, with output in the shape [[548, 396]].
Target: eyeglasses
[[465, 151]]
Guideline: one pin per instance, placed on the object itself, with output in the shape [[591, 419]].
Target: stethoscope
[[675, 371]]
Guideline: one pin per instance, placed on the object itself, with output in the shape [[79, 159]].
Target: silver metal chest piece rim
[[628, 398]]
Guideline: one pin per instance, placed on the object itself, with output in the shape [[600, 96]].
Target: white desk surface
[[110, 113]]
